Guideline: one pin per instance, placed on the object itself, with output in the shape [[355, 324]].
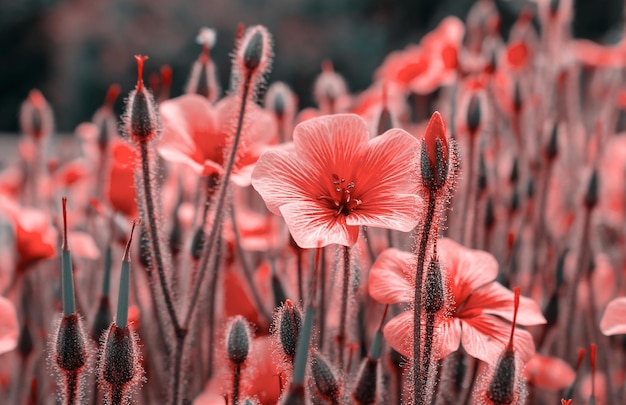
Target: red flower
[[197, 134], [549, 372], [478, 303], [614, 319], [335, 179], [121, 185]]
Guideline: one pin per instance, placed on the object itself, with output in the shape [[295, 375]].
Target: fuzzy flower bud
[[325, 379], [434, 298], [238, 341], [473, 116], [36, 116], [254, 52], [290, 323], [141, 114], [435, 156]]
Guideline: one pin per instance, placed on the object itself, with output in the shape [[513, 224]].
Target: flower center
[[341, 199]]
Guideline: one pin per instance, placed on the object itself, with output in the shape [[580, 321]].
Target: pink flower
[[334, 179], [476, 304], [614, 319], [197, 134]]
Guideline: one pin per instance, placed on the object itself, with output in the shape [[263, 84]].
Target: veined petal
[[282, 178], [496, 299], [447, 337], [389, 211], [467, 269], [398, 333], [312, 226], [190, 128], [391, 277], [332, 144], [614, 319], [485, 337]]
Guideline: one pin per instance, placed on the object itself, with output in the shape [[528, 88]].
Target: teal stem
[[69, 306], [106, 278], [121, 320]]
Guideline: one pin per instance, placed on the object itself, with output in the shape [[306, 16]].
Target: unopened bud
[[473, 114], [197, 243], [435, 157], [324, 378], [482, 174], [552, 148], [70, 347], [255, 50], [490, 215], [289, 328], [118, 359], [514, 176], [238, 341], [102, 318], [141, 111], [502, 388], [25, 344], [517, 98], [36, 116], [366, 388], [591, 196], [434, 298]]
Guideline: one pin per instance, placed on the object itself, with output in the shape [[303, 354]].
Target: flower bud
[[141, 114], [435, 157], [490, 216], [254, 53], [290, 323], [119, 357], [473, 116], [324, 378], [197, 243], [552, 148], [102, 318], [36, 116], [238, 340], [501, 390], [70, 349], [366, 388], [591, 195], [434, 298]]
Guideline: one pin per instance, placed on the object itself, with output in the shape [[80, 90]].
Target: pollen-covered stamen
[[342, 199]]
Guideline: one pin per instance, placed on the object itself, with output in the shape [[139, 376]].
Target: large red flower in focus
[[197, 134], [334, 179], [476, 304]]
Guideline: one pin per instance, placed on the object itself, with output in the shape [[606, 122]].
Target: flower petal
[[332, 144], [496, 299], [281, 178], [485, 337], [387, 188], [549, 372], [398, 333], [447, 337], [467, 269], [311, 226], [390, 279], [9, 329], [614, 319]]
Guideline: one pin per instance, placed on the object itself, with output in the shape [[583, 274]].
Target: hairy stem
[[345, 290], [236, 379], [418, 397]]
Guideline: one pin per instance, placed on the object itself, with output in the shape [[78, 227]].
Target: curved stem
[[211, 302], [247, 272], [221, 198], [418, 398], [153, 232]]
